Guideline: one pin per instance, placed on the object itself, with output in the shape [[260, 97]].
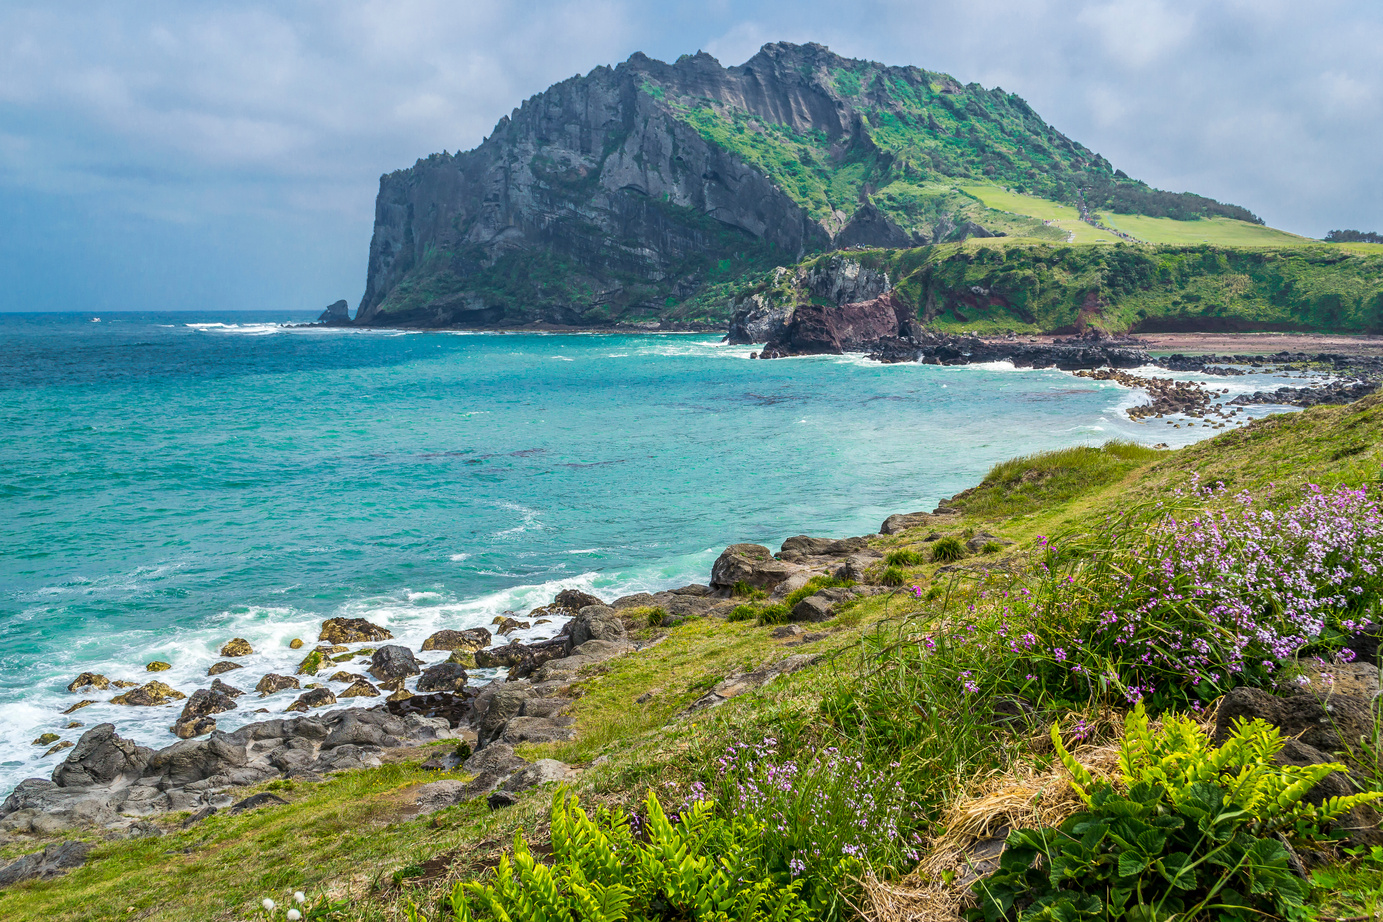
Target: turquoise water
[[171, 481]]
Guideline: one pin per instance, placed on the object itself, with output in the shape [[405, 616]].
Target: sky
[[225, 155]]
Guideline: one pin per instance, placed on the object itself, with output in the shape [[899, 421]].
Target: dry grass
[[938, 888]]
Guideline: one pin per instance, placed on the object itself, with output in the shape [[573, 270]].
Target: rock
[[573, 600], [856, 566], [186, 728], [237, 647], [788, 631], [89, 680], [337, 313], [275, 683], [502, 704], [981, 540], [814, 608], [393, 662], [121, 683], [59, 747], [101, 757], [79, 705], [73, 724], [500, 799], [311, 663], [360, 688], [352, 630], [400, 694], [831, 329], [46, 739], [230, 691], [295, 644], [747, 681], [543, 771], [464, 660], [537, 730], [637, 600], [348, 677], [158, 666], [316, 698], [150, 694], [1358, 680], [595, 622], [1335, 725], [510, 625], [751, 564], [902, 521], [442, 677], [255, 801], [53, 861], [467, 641], [453, 709], [222, 668]]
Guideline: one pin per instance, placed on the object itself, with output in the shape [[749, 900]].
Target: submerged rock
[[158, 666], [222, 668]]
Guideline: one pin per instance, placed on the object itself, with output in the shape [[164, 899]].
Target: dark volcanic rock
[[351, 630], [393, 662], [53, 861], [447, 677], [100, 757], [337, 313], [855, 327]]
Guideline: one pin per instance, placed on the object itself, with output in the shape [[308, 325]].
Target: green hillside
[[1009, 284]]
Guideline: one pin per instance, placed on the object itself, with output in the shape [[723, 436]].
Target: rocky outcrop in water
[[337, 314]]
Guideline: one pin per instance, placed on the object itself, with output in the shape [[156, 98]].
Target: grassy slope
[[352, 834]]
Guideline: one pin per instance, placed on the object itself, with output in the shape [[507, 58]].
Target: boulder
[[89, 680], [352, 630], [508, 626], [255, 801], [54, 861], [79, 705], [467, 641], [442, 677], [57, 747], [122, 683], [158, 666], [393, 662], [503, 703], [360, 688], [856, 566], [902, 521], [316, 698], [101, 757], [751, 564], [812, 609], [230, 691], [46, 739], [595, 622], [295, 644], [1335, 725], [150, 694], [311, 663], [239, 646], [537, 730], [187, 728], [222, 668], [543, 771], [275, 683], [195, 760], [573, 600]]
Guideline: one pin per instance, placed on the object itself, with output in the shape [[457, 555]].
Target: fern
[[1180, 756]]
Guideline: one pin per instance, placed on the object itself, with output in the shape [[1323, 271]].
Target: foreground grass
[[349, 838]]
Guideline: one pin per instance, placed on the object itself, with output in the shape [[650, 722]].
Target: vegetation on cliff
[[1006, 688]]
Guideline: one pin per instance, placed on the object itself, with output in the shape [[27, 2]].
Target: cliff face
[[590, 201]]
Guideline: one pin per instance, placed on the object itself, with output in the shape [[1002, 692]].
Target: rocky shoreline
[[111, 786]]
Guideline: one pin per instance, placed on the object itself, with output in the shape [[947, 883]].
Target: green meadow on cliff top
[[866, 773]]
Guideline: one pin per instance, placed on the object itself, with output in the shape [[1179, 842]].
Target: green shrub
[[656, 617], [904, 557], [743, 590], [893, 576], [948, 549], [703, 868], [773, 614], [744, 612]]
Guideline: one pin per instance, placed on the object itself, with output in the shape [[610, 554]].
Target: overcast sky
[[177, 156]]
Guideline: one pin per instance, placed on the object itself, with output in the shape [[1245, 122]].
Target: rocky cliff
[[650, 192]]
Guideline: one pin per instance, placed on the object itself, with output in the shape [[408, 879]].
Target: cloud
[[243, 122]]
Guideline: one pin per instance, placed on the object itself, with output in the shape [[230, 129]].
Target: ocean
[[169, 481]]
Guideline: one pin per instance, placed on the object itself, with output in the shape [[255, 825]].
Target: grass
[[879, 692], [1217, 230], [1064, 217]]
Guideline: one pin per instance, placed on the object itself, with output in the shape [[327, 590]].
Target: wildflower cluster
[[824, 816], [1176, 605]]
